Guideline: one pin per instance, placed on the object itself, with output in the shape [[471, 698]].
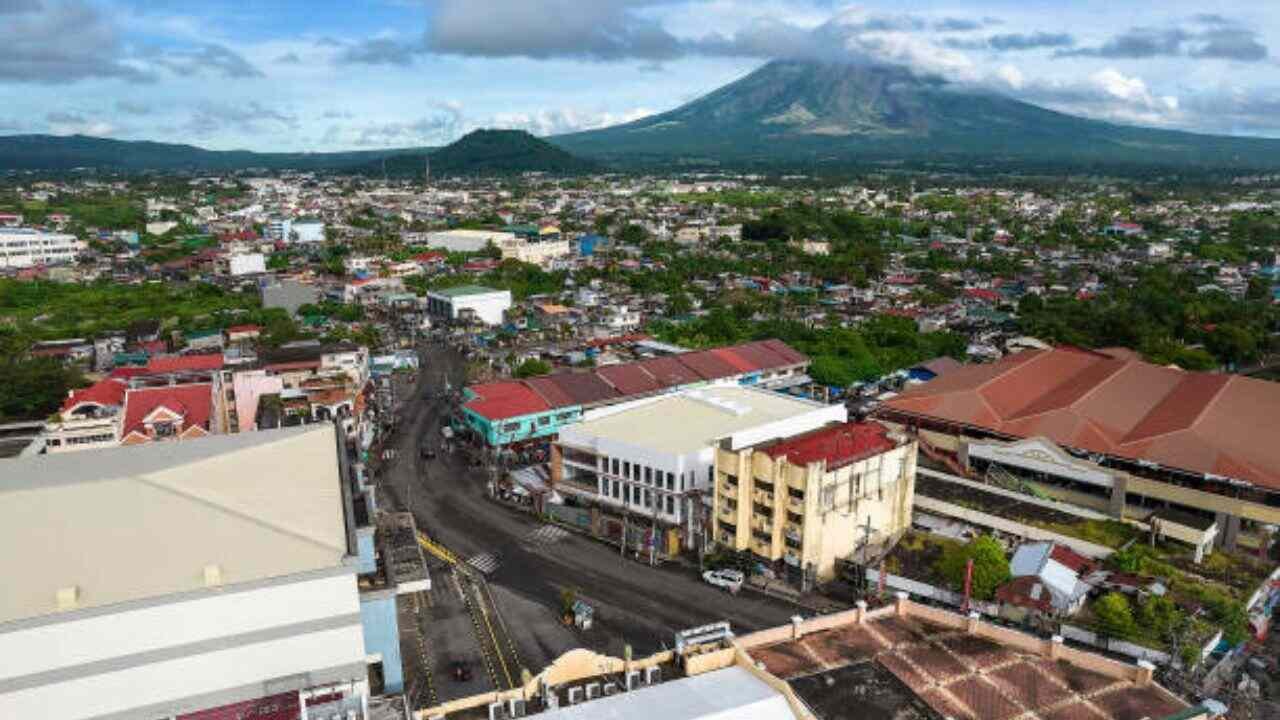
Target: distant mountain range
[[792, 115], [482, 152], [810, 114]]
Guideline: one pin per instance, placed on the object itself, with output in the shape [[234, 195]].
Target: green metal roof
[[463, 290]]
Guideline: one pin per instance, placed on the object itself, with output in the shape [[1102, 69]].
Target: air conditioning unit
[[652, 675], [610, 688], [575, 695], [495, 711], [552, 700], [593, 690], [515, 708], [633, 679]]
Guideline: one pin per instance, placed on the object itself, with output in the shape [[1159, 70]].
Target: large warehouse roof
[[614, 383], [137, 522], [1112, 403]]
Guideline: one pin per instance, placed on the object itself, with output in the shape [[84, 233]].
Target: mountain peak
[[800, 112]]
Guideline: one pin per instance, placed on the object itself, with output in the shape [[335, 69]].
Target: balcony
[[728, 491], [763, 549], [795, 506], [762, 498], [793, 532], [761, 524], [728, 512]]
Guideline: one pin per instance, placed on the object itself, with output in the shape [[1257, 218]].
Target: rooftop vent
[[212, 575], [68, 597]]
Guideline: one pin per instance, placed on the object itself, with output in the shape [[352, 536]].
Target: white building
[[160, 227], [25, 247], [536, 253], [279, 228], [243, 264], [468, 240], [307, 231], [199, 577], [649, 454], [484, 304]]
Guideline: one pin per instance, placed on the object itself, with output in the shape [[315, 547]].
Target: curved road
[[634, 603]]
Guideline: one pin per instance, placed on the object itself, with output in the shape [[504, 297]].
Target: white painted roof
[[1035, 559], [136, 522], [690, 420], [729, 694]]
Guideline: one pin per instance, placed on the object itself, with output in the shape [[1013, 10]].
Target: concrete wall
[[95, 664], [1011, 527], [382, 636]]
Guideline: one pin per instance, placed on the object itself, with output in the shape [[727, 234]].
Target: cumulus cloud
[[129, 107], [210, 118], [1223, 39], [210, 58], [60, 41], [1107, 94], [564, 120], [74, 123]]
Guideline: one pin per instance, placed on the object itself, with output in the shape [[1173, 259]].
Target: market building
[[1110, 433]]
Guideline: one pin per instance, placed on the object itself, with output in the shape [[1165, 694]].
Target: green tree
[[532, 368], [633, 234], [32, 389], [1114, 616], [990, 566]]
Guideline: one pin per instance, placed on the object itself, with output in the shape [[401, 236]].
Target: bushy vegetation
[[990, 566], [841, 356]]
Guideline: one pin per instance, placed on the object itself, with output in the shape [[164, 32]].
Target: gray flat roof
[[729, 694], [128, 523]]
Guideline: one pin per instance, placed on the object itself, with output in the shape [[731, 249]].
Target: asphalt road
[[634, 603]]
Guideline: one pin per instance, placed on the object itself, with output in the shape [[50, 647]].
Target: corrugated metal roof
[[629, 379], [1197, 422], [584, 388], [502, 400], [707, 364]]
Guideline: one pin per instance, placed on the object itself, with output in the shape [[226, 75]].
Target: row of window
[[643, 497]]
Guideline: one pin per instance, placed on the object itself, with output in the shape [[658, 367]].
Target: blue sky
[[318, 76]]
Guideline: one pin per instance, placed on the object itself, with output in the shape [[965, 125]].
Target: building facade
[[802, 503], [25, 247], [199, 582], [655, 457], [469, 301]]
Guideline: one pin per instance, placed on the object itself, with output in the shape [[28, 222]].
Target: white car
[[730, 580]]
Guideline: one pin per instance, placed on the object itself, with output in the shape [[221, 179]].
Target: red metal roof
[[707, 364], [838, 445], [104, 392], [629, 379], [193, 402], [184, 363], [1114, 404], [506, 399], [669, 371]]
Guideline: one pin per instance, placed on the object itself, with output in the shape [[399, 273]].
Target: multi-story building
[[170, 398], [26, 247], [279, 229], [307, 231], [803, 502], [210, 579], [484, 304], [655, 457]]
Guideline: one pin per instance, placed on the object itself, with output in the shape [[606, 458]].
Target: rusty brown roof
[[1115, 404]]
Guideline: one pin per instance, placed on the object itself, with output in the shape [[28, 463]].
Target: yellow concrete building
[[803, 502]]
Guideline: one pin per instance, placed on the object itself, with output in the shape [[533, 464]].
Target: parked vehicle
[[730, 580]]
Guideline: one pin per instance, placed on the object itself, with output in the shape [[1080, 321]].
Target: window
[[163, 429], [615, 466], [648, 498], [671, 481], [544, 421], [828, 497], [671, 505], [626, 494], [511, 427], [648, 475], [616, 492], [626, 469], [711, 474]]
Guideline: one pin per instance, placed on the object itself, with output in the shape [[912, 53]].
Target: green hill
[[487, 152]]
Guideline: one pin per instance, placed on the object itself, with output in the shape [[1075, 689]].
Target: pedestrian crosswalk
[[485, 562], [545, 535]]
